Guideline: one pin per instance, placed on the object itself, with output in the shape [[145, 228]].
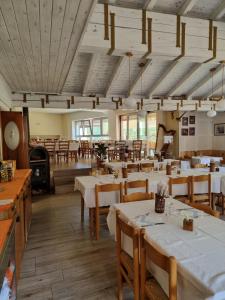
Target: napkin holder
[[188, 224], [168, 169], [124, 172], [212, 166], [159, 203]]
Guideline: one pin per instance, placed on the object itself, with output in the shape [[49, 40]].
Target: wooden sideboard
[[19, 190]]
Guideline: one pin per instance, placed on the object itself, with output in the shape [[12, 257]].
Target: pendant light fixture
[[212, 112], [221, 103], [141, 112]]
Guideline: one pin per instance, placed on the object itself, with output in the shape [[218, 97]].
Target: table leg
[[82, 209]]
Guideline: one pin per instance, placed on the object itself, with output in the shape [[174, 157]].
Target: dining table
[[200, 254], [116, 165], [86, 184], [205, 160]]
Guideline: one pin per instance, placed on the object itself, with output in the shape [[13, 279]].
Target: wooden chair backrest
[[206, 209], [175, 163], [137, 145], [109, 187], [49, 145], [198, 166], [64, 145], [120, 145], [133, 168], [139, 196], [136, 184], [147, 166], [167, 263], [200, 178], [84, 144], [178, 180], [122, 227]]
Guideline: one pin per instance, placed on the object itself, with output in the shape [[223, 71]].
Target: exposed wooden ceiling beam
[[139, 76], [149, 4], [90, 72], [163, 77], [186, 7], [183, 80], [115, 73], [219, 11], [203, 81], [127, 30]]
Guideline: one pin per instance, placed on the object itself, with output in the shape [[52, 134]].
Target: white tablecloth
[[200, 254], [205, 159], [86, 184]]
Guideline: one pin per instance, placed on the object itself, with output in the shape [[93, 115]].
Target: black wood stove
[[39, 163]]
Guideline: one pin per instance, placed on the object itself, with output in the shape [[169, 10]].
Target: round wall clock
[[12, 135]]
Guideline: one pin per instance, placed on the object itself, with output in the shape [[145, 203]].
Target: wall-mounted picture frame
[[192, 131], [185, 121], [192, 120], [219, 129], [184, 131]]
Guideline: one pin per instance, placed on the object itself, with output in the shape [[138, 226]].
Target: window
[[123, 127], [92, 129], [134, 126]]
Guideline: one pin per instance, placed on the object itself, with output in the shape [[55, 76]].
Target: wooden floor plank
[[60, 261]]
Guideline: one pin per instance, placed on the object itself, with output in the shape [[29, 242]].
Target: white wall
[[5, 94], [218, 142], [46, 124], [203, 139]]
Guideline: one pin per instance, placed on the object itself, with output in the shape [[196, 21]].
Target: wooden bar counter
[[19, 190]]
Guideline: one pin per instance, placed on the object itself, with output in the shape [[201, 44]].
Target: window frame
[[138, 127], [91, 135]]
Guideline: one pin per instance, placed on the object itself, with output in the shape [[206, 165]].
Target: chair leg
[[97, 224], [120, 284], [82, 210], [223, 198], [91, 223]]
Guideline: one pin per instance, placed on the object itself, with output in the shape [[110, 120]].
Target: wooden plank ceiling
[[46, 47]]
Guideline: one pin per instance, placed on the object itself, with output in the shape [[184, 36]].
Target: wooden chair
[[120, 149], [63, 151], [85, 150], [139, 196], [111, 154], [204, 197], [199, 166], [136, 151], [147, 167], [175, 163], [50, 147], [150, 288], [98, 210], [221, 196], [180, 181], [128, 267], [135, 185], [206, 209], [73, 153], [133, 168]]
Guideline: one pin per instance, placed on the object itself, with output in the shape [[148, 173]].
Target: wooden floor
[[60, 261]]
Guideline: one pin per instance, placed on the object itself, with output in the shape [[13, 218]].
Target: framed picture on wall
[[184, 131], [219, 129], [192, 131], [192, 120], [185, 121]]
